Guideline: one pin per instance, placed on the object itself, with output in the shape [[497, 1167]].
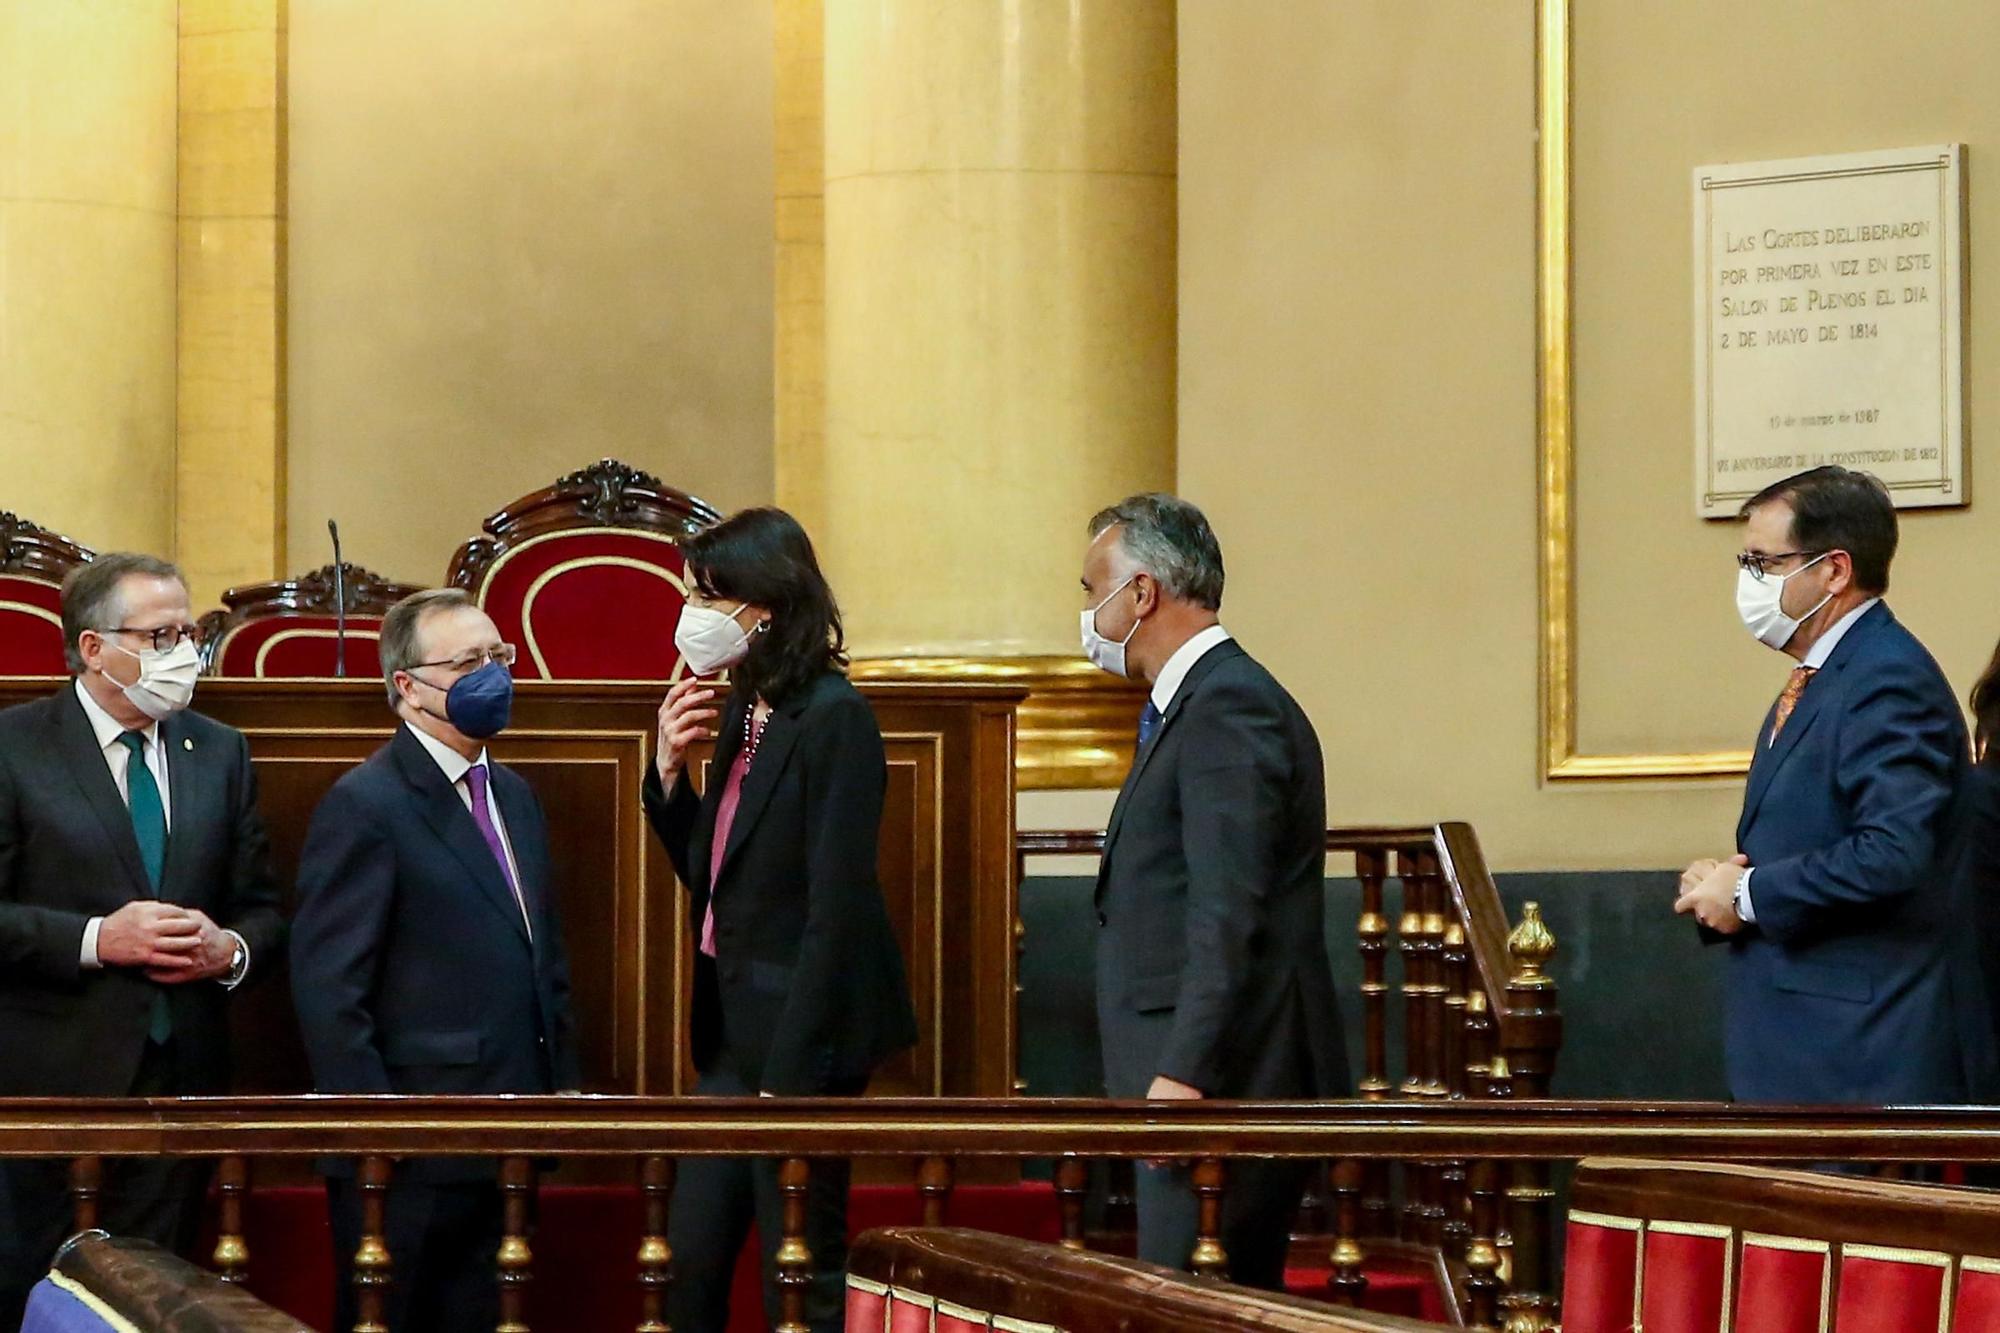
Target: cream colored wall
[[523, 236], [87, 225], [1357, 363]]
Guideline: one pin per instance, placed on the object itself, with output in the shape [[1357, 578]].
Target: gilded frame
[[1555, 426]]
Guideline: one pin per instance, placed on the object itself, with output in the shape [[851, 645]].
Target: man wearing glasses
[[1851, 977], [135, 895], [426, 953]]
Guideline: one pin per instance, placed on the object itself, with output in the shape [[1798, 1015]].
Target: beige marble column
[[87, 220], [799, 267], [230, 461], [999, 202]]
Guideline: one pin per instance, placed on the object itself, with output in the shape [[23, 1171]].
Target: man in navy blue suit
[[427, 956], [1850, 976]]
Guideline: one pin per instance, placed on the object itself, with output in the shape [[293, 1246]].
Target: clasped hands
[[1708, 893], [170, 944]]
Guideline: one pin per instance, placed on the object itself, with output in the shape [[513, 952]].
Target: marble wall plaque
[[1828, 321]]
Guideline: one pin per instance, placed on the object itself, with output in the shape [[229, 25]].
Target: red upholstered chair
[[585, 576], [1706, 1248], [33, 562], [289, 628]]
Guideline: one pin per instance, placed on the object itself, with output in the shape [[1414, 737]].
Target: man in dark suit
[[426, 952], [1850, 977], [1212, 976], [135, 895]]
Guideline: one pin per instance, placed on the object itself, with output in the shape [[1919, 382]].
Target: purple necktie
[[475, 782]]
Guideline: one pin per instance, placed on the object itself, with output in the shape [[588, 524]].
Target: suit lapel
[[189, 787], [1190, 684], [448, 818], [85, 761], [1764, 765], [531, 856], [781, 733]]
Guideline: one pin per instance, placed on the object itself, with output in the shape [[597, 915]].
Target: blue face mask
[[479, 702]]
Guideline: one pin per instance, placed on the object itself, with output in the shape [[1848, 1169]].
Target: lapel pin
[[186, 744]]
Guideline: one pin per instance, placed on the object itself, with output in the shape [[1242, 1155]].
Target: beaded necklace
[[752, 735]]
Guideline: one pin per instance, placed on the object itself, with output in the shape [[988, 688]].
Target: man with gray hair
[[135, 894], [1212, 974], [426, 953]]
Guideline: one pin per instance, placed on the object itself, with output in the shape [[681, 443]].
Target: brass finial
[[1530, 947]]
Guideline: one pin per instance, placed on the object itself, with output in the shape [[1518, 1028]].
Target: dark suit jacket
[[807, 967], [67, 853], [1850, 986], [412, 968], [1975, 888], [1211, 948]]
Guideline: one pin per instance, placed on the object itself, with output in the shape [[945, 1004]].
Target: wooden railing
[[1487, 1134], [1480, 1020]]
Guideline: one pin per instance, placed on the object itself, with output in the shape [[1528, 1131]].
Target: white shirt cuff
[[241, 968], [88, 959], [1745, 909]]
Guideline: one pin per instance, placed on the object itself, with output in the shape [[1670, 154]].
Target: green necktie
[[149, 826]]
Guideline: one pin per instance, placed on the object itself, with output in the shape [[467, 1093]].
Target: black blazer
[[67, 853], [412, 968], [807, 968], [1975, 904], [1211, 947]]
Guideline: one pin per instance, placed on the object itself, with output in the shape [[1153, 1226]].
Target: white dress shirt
[[1814, 659], [455, 766], [108, 729], [1182, 662]]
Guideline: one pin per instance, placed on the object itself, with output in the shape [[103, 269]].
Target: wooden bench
[[1702, 1248], [945, 1280]]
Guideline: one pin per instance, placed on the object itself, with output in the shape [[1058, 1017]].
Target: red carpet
[[586, 1248]]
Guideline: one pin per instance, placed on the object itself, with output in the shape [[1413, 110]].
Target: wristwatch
[[1738, 898]]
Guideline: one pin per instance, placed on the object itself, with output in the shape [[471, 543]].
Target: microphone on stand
[[339, 603]]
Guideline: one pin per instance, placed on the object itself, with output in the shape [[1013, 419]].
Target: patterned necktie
[[149, 826], [1149, 722], [1789, 699], [482, 815]]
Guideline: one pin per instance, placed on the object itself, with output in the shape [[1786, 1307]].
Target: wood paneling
[[946, 867]]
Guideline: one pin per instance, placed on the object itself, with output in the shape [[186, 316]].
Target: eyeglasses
[[503, 653], [1760, 565], [165, 637]]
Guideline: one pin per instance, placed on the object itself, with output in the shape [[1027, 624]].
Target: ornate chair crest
[[586, 576], [33, 561], [290, 627]]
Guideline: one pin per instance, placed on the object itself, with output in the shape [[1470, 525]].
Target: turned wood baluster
[[656, 1189], [86, 1182], [1436, 981], [1482, 1253], [1529, 1041], [1410, 947], [934, 1182], [1349, 1280], [794, 1257], [1209, 1258], [1372, 934], [1478, 1041], [371, 1258], [232, 1252], [1072, 1183], [1457, 978], [517, 1185]]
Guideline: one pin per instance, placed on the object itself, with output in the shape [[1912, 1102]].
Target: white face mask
[[1102, 652], [710, 640], [1760, 602], [166, 679]]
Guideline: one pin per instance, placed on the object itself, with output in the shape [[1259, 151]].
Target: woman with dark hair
[[799, 986]]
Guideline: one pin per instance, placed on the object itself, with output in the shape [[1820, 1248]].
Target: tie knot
[[475, 778], [135, 741], [1799, 677]]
